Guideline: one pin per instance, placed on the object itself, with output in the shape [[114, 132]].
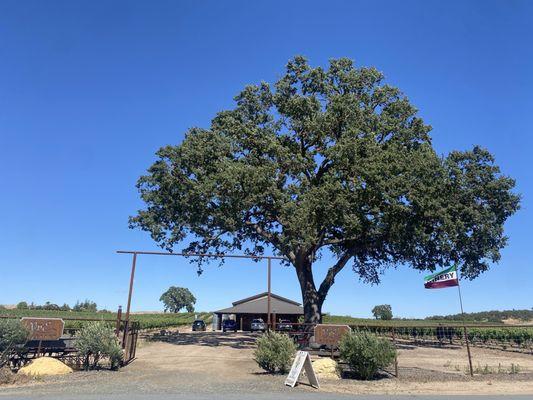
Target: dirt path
[[215, 363], [221, 356]]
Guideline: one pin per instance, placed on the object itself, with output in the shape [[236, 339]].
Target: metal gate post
[[269, 319], [127, 321]]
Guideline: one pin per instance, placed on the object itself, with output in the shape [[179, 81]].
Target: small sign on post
[[302, 360], [44, 328]]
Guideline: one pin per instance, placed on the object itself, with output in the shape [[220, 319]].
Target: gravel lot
[[209, 363]]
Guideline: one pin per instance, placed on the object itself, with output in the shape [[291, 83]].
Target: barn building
[[245, 310]]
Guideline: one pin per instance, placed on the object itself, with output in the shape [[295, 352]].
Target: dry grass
[[10, 378]]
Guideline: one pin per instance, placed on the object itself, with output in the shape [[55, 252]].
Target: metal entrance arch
[[135, 253]]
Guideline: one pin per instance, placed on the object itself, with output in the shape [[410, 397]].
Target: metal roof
[[258, 304]]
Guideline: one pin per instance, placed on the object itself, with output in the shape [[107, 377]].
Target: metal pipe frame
[[135, 253]]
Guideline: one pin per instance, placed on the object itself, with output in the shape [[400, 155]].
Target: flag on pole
[[442, 279]]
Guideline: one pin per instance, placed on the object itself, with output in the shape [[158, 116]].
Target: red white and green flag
[[445, 278]]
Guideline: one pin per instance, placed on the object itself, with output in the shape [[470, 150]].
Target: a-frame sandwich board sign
[[302, 360]]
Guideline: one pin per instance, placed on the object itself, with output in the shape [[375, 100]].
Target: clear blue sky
[[89, 90]]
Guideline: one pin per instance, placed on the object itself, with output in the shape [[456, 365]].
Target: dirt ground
[[454, 359], [211, 362]]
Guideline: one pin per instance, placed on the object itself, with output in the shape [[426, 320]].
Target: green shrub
[[97, 341], [13, 335], [274, 352], [366, 353]]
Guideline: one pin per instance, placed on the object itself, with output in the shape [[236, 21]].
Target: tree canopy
[[86, 305], [382, 311], [177, 298], [328, 159]]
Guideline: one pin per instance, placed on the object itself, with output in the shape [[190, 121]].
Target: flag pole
[[464, 325]]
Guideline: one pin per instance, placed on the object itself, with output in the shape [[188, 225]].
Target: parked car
[[258, 325], [284, 325], [229, 325], [198, 325]]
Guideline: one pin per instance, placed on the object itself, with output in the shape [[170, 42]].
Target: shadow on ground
[[212, 339]]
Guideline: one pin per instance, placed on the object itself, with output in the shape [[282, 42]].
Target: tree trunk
[[312, 301], [313, 298], [312, 307]]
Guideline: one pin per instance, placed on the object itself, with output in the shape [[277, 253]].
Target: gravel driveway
[[216, 365]]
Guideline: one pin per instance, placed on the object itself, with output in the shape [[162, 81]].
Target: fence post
[[395, 353], [119, 320], [468, 351]]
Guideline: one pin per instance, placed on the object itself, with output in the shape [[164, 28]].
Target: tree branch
[[332, 272], [322, 169], [272, 239]]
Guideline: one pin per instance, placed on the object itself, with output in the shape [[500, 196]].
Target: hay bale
[[45, 366], [326, 368]]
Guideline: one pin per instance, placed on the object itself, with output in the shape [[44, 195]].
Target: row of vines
[[501, 337], [75, 320]]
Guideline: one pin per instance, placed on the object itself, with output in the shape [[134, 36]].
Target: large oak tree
[[328, 160]]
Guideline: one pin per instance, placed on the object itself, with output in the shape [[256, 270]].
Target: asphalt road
[[248, 396], [264, 396]]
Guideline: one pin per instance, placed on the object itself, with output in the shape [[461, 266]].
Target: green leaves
[[274, 352], [176, 298], [328, 159], [12, 335], [382, 311], [366, 353], [96, 341]]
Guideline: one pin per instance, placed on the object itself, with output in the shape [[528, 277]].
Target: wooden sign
[[44, 328], [302, 360], [330, 335]]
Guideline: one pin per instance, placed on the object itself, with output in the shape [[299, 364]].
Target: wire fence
[[517, 338], [443, 347], [497, 337]]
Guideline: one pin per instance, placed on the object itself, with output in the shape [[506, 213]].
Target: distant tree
[[176, 298], [383, 311], [488, 316], [65, 307], [328, 161], [86, 306], [50, 306], [22, 305]]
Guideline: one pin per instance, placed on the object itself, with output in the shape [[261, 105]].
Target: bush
[[274, 352], [366, 353], [13, 335], [97, 341]]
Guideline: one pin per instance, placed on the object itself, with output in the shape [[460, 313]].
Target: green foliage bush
[[97, 341], [366, 353], [274, 352], [12, 336]]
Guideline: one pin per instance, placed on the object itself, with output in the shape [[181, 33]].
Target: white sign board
[[302, 360]]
